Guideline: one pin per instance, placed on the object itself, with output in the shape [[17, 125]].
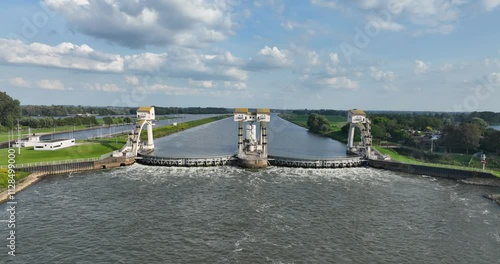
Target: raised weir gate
[[344, 162]]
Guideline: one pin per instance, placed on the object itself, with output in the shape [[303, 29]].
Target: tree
[[464, 136], [480, 123], [377, 131], [10, 110], [491, 141], [108, 120], [318, 124], [127, 120]]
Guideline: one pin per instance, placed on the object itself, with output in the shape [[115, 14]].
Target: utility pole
[[18, 139]]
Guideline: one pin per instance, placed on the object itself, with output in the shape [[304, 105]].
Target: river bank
[[107, 163]]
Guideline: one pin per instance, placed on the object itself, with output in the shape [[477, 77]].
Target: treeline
[[463, 133], [48, 122], [68, 110], [321, 112], [187, 110]]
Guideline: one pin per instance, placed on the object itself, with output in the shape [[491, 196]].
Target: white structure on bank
[[54, 144], [145, 116], [32, 140], [357, 119]]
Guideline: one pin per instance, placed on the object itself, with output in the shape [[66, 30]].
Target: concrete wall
[[428, 170]]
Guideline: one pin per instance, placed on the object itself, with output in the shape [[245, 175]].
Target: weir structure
[[252, 150], [357, 119], [145, 117]]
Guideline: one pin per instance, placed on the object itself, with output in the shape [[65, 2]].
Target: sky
[[403, 55]]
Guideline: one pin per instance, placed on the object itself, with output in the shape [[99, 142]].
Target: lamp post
[[483, 161], [18, 139]]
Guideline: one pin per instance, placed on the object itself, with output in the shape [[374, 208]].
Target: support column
[[150, 135], [240, 137], [350, 138], [263, 133]]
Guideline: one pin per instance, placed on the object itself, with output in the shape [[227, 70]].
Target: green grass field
[[93, 148], [459, 161], [83, 150], [4, 177], [450, 160]]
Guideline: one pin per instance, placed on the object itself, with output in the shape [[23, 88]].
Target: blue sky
[[428, 55]]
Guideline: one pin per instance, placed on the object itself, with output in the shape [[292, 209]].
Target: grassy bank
[[444, 160], [4, 177], [406, 155], [336, 124], [83, 150], [92, 148]]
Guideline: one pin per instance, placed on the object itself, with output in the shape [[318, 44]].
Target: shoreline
[[25, 183], [108, 163]]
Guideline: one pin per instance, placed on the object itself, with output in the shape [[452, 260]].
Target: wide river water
[[141, 214]]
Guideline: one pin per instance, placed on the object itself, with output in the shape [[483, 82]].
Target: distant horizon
[[280, 109]]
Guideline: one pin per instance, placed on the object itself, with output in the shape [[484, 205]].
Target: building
[[32, 140], [146, 113], [356, 116], [54, 144]]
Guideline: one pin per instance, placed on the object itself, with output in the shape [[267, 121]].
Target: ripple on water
[[234, 215]]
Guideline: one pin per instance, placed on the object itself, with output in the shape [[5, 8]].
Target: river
[[112, 130], [496, 127], [141, 214]]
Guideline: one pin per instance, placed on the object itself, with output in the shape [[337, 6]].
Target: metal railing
[[59, 162]]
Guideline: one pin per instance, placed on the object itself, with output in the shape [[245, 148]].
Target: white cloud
[[421, 67], [390, 88], [430, 16], [202, 84], [269, 58], [51, 85], [341, 82], [381, 24], [148, 61], [107, 87], [334, 58], [313, 58], [177, 63], [494, 78], [132, 80], [235, 85], [140, 23], [379, 75], [20, 82], [489, 5], [173, 90], [325, 3], [491, 62], [65, 55]]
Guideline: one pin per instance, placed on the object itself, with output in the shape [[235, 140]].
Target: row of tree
[[459, 132], [186, 110], [48, 122], [69, 110]]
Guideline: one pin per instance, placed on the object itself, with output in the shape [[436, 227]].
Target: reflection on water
[[221, 138]]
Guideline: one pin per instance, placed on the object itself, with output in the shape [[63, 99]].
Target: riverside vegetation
[[410, 136]]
